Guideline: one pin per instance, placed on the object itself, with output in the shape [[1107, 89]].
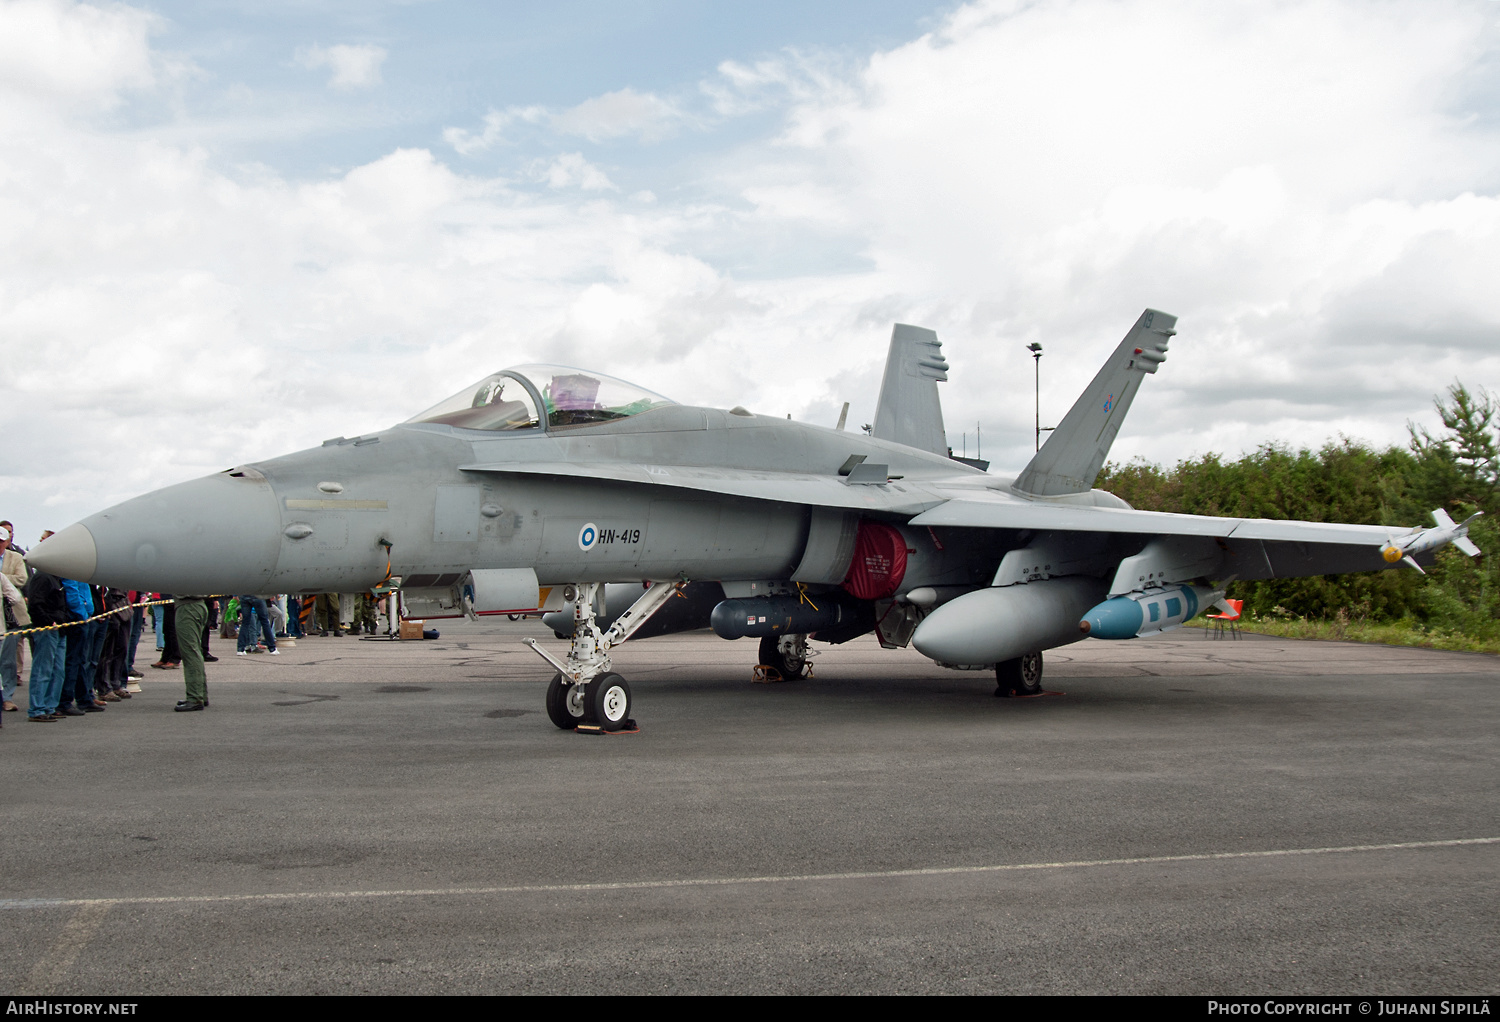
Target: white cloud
[[493, 133], [571, 170], [737, 89], [741, 88], [76, 52], [353, 66], [642, 115], [626, 113], [1273, 174]]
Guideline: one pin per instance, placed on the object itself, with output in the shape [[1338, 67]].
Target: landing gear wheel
[[1019, 677], [786, 653], [606, 702], [564, 703]]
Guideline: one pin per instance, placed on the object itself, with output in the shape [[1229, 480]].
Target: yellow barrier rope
[[98, 617], [306, 603]]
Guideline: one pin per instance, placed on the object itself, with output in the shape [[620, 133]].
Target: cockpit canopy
[[508, 400]]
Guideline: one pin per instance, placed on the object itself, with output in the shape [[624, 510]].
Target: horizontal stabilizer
[[1070, 460]]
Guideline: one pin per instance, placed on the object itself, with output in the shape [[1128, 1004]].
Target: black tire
[[515, 617], [564, 704], [1019, 677], [561, 635], [607, 702], [771, 655]]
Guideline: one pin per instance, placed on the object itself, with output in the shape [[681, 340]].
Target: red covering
[[879, 562]]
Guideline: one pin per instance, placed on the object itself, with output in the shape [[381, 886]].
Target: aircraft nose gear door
[[585, 691]]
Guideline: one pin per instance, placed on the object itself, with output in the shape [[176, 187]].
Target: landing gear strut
[[1019, 677], [585, 692]]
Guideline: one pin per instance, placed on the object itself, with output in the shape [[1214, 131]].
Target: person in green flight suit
[[192, 621]]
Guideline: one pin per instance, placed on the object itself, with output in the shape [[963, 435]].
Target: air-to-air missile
[[1440, 535]]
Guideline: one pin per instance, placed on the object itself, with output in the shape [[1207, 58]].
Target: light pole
[[1035, 348]]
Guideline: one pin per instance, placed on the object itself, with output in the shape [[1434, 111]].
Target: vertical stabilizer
[[1070, 460], [909, 412]]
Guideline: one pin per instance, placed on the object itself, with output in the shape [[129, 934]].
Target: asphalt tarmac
[[1177, 815]]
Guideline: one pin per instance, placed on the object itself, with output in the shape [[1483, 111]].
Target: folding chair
[[1230, 618]]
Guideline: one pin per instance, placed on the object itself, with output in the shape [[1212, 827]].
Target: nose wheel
[[603, 702], [565, 702], [606, 702]]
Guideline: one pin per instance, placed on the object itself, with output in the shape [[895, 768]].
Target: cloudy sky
[[231, 230]]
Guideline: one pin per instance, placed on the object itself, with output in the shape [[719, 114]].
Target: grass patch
[[1392, 633]]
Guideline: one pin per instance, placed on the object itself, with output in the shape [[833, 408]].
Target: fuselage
[[432, 502]]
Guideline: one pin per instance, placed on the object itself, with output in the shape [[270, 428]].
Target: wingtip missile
[[1440, 535]]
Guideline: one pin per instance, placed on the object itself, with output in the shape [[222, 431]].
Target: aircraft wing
[[984, 514], [1254, 548], [898, 497]]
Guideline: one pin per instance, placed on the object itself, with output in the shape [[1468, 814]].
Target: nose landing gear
[[585, 692]]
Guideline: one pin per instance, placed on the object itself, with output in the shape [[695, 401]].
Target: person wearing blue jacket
[[78, 686]]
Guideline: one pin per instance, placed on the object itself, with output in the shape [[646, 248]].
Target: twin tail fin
[[1070, 460]]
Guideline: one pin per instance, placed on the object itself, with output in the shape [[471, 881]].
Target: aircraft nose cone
[[215, 535], [70, 553]]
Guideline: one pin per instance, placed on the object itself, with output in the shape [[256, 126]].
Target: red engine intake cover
[[879, 562]]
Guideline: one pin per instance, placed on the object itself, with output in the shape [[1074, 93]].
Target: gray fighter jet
[[541, 484]]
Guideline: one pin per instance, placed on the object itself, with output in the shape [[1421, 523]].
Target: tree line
[[1456, 468]]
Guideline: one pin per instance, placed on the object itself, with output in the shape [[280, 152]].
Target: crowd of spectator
[[82, 639]]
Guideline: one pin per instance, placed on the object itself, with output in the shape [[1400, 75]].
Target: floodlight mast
[[1035, 348]]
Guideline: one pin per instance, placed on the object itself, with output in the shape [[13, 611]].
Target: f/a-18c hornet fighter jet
[[539, 485]]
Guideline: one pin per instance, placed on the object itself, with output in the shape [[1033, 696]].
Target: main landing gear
[[785, 654], [585, 692], [1019, 677]]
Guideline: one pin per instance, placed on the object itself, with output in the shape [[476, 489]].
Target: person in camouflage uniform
[[327, 614], [364, 614]]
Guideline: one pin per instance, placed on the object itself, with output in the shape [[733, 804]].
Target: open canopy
[[507, 400]]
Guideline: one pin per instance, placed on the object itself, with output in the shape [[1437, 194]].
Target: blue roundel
[[588, 536]]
